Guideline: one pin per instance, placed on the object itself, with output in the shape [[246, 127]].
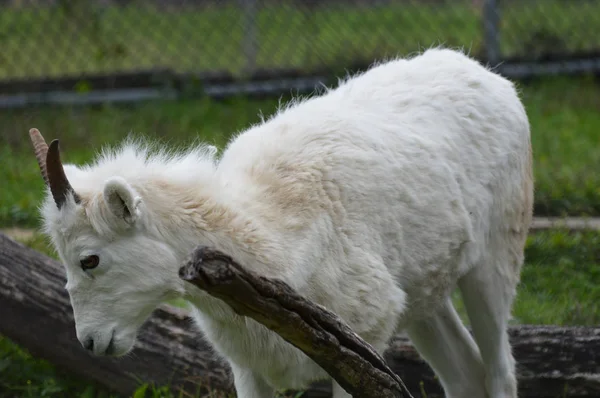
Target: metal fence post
[[250, 40], [491, 22]]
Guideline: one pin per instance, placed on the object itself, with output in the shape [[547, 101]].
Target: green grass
[[561, 281], [563, 114], [53, 41], [565, 125], [23, 376], [560, 286]]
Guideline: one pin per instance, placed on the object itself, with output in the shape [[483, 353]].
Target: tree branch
[[319, 333]]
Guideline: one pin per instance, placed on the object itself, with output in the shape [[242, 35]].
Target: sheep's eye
[[90, 262]]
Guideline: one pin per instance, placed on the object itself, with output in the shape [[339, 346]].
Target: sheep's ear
[[121, 199]]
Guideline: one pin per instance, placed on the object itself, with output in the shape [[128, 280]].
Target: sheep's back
[[414, 162]]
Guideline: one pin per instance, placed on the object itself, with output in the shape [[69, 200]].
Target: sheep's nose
[[88, 344]]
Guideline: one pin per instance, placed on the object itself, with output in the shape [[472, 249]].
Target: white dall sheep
[[375, 199]]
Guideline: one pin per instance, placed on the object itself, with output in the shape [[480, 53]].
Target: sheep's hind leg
[[444, 342], [488, 297]]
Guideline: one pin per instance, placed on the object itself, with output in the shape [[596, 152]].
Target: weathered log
[[319, 333], [35, 312]]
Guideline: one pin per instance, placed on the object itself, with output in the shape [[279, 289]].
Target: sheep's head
[[117, 271]]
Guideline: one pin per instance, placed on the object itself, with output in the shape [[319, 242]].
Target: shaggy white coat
[[375, 199]]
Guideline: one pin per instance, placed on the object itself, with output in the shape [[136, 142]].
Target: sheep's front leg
[[488, 296], [248, 384]]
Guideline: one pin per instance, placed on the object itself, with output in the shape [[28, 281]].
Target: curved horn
[[41, 149], [48, 159], [57, 179]]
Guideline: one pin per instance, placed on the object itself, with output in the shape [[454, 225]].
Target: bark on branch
[[319, 333]]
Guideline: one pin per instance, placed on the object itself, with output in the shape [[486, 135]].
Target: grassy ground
[[560, 286], [77, 37], [564, 115]]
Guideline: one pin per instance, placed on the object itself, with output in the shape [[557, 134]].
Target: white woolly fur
[[375, 199]]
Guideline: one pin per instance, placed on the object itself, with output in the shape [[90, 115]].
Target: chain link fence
[[58, 38], [154, 67]]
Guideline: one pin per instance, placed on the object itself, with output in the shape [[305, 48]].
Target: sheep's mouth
[[110, 349]]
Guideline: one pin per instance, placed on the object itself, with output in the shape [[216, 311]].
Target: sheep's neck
[[193, 216], [184, 217]]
